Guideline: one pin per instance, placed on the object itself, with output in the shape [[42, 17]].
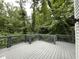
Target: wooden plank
[[40, 50]]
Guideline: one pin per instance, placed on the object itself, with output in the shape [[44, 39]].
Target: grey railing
[[12, 39]]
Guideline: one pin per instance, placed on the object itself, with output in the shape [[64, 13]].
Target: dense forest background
[[48, 17]]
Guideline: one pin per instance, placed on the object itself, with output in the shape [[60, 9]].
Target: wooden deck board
[[39, 50]]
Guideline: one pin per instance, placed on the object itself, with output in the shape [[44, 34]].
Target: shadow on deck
[[39, 50]]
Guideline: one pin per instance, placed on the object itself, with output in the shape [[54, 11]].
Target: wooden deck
[[39, 50]]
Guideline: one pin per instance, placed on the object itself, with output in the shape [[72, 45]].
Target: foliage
[[55, 16], [48, 17]]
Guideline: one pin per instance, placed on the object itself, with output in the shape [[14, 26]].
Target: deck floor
[[39, 50]]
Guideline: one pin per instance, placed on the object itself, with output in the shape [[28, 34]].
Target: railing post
[[55, 38], [30, 39], [9, 42], [40, 36], [25, 39]]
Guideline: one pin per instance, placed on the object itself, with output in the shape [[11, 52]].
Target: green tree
[[23, 14]]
